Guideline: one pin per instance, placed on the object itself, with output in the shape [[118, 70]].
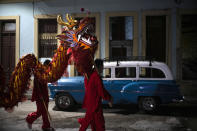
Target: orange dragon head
[[80, 38]]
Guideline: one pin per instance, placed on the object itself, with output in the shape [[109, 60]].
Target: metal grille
[[47, 40]]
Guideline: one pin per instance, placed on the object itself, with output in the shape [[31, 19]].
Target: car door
[[122, 76], [76, 89], [72, 85]]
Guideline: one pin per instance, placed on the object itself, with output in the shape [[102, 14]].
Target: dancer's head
[[46, 62]]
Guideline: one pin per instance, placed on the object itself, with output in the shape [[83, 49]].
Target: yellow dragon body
[[78, 45]]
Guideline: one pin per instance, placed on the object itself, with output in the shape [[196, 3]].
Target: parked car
[[146, 83]]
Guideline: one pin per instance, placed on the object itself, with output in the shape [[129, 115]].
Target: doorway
[[121, 37], [189, 46], [156, 37], [7, 46]]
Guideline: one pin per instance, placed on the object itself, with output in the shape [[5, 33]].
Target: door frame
[[17, 38], [36, 18], [135, 30], [168, 32]]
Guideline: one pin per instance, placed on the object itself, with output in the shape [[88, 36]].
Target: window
[[9, 27], [107, 73], [125, 72], [156, 33], [146, 72], [121, 34], [47, 37]]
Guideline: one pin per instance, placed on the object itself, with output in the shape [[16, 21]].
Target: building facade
[[163, 29]]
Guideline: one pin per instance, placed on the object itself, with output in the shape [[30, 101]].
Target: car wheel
[[148, 104], [64, 101]]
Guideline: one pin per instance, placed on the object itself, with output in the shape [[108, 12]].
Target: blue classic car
[[145, 83]]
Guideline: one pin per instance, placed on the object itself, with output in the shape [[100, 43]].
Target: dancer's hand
[[110, 102]]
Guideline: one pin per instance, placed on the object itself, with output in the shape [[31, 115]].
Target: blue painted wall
[[24, 10]]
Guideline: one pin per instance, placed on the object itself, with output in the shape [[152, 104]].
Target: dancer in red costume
[[94, 93], [40, 95], [78, 37]]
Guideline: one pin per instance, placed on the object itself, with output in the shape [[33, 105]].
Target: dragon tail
[[14, 92], [27, 66]]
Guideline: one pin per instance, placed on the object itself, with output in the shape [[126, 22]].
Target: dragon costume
[[78, 46]]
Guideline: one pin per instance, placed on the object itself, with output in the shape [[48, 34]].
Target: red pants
[[96, 120], [31, 117]]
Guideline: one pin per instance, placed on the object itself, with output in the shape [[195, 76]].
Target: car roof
[[133, 63], [149, 64]]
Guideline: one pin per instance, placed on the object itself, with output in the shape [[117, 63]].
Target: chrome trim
[[68, 90]]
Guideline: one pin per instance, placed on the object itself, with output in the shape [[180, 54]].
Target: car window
[[107, 73], [125, 72], [146, 72]]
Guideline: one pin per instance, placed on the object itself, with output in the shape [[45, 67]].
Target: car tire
[[64, 101], [148, 104]]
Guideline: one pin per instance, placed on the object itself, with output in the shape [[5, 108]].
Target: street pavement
[[170, 118]]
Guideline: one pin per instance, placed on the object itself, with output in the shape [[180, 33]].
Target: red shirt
[[40, 90], [94, 92]]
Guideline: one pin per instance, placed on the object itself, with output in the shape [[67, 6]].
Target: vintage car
[[146, 83]]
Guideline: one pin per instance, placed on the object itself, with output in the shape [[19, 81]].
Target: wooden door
[[7, 46]]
